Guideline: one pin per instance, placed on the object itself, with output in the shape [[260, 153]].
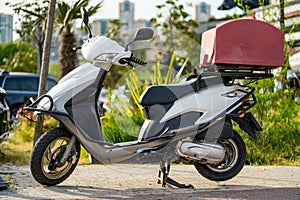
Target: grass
[[279, 115], [17, 148]]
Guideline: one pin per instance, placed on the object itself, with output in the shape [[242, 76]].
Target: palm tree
[[65, 17]]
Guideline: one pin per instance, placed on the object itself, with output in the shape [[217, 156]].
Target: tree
[[65, 17], [243, 4], [8, 50], [32, 16], [178, 29], [18, 56], [45, 65]]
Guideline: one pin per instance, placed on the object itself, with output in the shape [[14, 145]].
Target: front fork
[[68, 149]]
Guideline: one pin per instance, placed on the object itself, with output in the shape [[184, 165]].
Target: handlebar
[[138, 61], [134, 60]]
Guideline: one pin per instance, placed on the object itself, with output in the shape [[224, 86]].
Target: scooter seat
[[166, 94]]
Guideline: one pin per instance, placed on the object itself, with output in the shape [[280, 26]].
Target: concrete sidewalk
[[139, 182]]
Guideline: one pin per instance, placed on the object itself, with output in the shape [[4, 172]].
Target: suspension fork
[[68, 149]]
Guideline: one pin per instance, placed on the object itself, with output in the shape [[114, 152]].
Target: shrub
[[126, 117], [279, 115], [17, 148]]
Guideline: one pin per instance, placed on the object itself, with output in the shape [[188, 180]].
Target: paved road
[[139, 182]]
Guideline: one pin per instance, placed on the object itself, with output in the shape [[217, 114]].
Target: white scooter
[[191, 121]]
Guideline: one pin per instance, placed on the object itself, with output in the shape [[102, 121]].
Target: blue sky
[[144, 9]]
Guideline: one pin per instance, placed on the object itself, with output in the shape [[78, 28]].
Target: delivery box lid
[[243, 42]]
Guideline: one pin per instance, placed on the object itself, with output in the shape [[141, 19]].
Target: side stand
[[164, 172]]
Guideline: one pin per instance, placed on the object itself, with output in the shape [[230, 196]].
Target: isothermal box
[[243, 43]]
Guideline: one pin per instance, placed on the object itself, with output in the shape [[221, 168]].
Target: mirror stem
[[90, 33]]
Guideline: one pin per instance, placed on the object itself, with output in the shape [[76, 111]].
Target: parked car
[[4, 115], [20, 86], [103, 102]]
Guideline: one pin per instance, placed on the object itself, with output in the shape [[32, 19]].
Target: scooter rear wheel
[[49, 149], [231, 165]]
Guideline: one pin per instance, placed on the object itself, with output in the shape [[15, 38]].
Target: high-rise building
[[202, 12], [100, 26], [126, 14], [6, 28]]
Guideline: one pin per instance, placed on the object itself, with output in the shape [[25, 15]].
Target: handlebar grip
[[138, 61]]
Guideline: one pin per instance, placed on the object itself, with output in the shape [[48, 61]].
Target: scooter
[[190, 121]]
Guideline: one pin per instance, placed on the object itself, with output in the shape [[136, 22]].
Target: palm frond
[[170, 69], [179, 73], [93, 9]]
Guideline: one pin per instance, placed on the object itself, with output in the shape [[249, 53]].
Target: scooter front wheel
[[45, 164], [231, 165]]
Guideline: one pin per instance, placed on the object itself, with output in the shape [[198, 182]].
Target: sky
[[144, 9]]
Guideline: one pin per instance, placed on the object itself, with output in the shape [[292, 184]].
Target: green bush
[[125, 130], [54, 70], [17, 148], [18, 57], [279, 115], [126, 118]]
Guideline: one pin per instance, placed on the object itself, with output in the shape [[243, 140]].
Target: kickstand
[[164, 172]]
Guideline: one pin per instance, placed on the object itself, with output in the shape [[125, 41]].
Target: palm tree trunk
[[68, 57]]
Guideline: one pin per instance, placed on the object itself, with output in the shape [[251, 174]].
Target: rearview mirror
[[141, 34]]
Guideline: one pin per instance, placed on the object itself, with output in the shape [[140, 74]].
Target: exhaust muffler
[[212, 153]]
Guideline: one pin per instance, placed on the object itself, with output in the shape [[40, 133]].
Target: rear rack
[[239, 72]]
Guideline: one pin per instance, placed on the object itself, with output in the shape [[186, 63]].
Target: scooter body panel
[[214, 104]]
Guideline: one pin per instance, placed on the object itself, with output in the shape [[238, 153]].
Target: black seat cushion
[[165, 94]]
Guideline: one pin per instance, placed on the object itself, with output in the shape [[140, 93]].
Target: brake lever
[[131, 65], [123, 61]]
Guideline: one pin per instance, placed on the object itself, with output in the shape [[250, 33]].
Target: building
[[126, 15], [100, 26], [6, 28], [141, 23], [202, 12]]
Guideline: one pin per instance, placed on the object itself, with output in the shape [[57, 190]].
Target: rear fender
[[248, 124]]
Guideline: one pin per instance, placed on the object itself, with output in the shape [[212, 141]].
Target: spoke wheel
[[45, 162]]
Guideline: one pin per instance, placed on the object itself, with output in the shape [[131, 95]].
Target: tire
[[231, 165], [44, 162]]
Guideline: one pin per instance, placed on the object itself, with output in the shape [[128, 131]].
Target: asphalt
[[140, 182]]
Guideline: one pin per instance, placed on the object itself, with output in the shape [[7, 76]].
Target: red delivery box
[[244, 43]]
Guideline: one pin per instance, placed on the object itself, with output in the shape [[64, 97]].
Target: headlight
[[107, 57]]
